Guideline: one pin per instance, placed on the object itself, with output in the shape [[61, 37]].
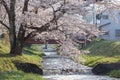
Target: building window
[[106, 33], [98, 0], [105, 16], [98, 16], [117, 33]]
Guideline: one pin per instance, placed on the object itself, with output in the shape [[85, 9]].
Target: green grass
[[36, 46], [92, 60], [19, 75], [102, 51], [33, 52], [8, 70], [115, 73]]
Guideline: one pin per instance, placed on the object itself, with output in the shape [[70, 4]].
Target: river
[[58, 67]]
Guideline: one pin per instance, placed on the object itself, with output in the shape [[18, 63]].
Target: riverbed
[[58, 67]]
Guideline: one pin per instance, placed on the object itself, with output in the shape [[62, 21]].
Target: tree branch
[[1, 22], [5, 6], [46, 26], [25, 8], [29, 35], [22, 29]]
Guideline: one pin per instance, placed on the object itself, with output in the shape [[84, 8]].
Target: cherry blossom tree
[[46, 19]]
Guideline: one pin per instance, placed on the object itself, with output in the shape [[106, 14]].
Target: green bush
[[115, 74]]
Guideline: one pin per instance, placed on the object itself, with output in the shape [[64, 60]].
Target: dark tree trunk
[[17, 41], [12, 32], [16, 47], [19, 48]]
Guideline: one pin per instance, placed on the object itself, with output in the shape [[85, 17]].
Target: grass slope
[[103, 51], [8, 71]]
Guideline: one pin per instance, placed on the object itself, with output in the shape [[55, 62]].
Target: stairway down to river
[[56, 64]]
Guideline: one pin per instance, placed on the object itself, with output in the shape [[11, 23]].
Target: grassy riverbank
[[8, 70], [102, 51]]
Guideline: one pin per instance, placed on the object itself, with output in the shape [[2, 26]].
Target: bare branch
[[54, 15], [5, 6], [25, 8], [1, 22], [31, 34]]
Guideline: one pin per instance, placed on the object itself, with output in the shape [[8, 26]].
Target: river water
[[58, 67]]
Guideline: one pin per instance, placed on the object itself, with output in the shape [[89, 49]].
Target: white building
[[106, 21], [110, 22]]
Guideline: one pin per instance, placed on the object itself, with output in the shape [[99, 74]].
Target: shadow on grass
[[104, 48], [19, 75], [31, 51], [6, 55], [11, 75]]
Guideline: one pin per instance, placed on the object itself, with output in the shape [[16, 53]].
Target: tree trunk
[[16, 42], [12, 42], [16, 51], [17, 48]]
